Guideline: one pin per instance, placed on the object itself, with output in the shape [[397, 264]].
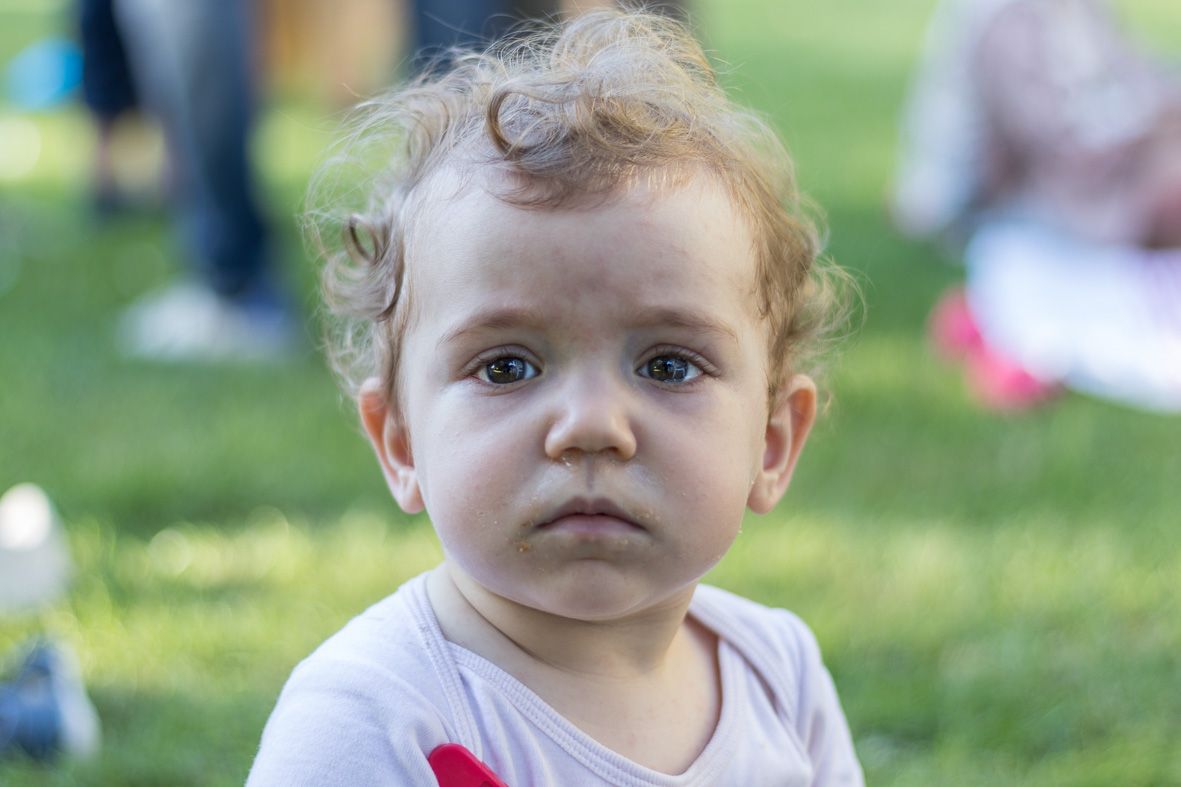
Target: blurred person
[[439, 25], [1043, 139], [44, 709], [108, 92], [579, 302], [193, 67]]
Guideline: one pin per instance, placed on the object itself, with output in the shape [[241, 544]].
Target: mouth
[[590, 518]]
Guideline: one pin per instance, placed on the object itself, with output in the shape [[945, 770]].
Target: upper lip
[[582, 506]]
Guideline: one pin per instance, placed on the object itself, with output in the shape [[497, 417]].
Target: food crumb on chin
[[523, 546]]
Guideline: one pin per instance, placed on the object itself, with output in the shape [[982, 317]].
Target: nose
[[592, 415]]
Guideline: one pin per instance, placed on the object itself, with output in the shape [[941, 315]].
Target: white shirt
[[375, 699]]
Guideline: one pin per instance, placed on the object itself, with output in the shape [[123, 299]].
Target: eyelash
[[704, 367], [480, 366]]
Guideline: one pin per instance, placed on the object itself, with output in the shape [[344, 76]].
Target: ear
[[792, 413], [391, 443]]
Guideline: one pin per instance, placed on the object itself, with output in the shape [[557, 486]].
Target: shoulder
[[364, 708], [783, 652], [776, 639]]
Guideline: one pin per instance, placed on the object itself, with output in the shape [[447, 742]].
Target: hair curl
[[571, 113]]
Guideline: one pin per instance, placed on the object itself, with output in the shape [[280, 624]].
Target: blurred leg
[[9, 715], [441, 24], [196, 74], [107, 91], [107, 86]]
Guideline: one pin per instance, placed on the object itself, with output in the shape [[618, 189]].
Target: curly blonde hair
[[570, 113]]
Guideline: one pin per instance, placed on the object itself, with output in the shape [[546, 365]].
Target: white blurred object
[[1103, 319], [35, 565], [187, 321]]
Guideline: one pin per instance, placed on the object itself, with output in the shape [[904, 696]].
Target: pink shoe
[[952, 328], [996, 381], [999, 383]]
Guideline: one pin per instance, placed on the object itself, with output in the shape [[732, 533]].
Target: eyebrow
[[689, 320], [492, 320], [503, 318]]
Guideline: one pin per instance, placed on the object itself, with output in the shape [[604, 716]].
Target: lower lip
[[591, 525]]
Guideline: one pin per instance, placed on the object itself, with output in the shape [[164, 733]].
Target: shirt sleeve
[[338, 723], [820, 721]]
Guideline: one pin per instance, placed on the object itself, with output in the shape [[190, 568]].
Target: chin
[[598, 599]]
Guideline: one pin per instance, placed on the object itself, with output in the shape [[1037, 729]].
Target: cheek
[[710, 470], [461, 497], [730, 444], [724, 469], [467, 477]]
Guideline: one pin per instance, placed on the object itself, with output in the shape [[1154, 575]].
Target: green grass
[[998, 597]]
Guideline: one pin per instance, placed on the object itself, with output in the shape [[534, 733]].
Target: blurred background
[[998, 593]]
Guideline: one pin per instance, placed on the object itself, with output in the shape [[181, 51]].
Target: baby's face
[[585, 393]]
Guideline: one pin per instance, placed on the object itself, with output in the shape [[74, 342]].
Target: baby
[[577, 307]]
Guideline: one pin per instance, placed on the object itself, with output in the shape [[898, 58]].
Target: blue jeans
[[192, 62], [441, 24]]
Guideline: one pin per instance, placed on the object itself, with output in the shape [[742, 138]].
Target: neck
[[506, 632], [645, 686]]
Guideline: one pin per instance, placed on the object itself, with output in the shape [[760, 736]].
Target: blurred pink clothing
[[1042, 108]]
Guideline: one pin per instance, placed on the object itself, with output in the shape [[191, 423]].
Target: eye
[[669, 369], [506, 370]]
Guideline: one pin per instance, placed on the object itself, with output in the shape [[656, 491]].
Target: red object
[[996, 381], [952, 327], [455, 766]]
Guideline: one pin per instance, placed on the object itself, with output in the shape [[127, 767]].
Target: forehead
[[648, 242]]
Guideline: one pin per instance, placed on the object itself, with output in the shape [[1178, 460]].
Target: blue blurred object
[[44, 710], [44, 74]]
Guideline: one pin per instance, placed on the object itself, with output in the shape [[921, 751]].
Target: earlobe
[[391, 443], [792, 415]]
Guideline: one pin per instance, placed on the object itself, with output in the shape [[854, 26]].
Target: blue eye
[[669, 369], [506, 370]]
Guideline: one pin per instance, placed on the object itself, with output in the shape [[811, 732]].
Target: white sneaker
[[35, 566], [190, 322]]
